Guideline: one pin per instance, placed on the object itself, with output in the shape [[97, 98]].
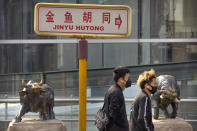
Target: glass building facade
[[25, 55]]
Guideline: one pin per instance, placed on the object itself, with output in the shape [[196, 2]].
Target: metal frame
[[6, 101], [67, 100], [96, 41]]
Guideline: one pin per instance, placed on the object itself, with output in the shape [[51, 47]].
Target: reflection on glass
[[173, 19]]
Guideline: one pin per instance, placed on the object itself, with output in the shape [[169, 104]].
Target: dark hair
[[120, 72]]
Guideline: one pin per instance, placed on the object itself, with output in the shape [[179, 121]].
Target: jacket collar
[[145, 93], [118, 86]]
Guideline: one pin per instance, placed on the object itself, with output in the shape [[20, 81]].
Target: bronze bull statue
[[36, 97], [168, 93]]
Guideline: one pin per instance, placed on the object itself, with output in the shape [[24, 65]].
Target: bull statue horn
[[176, 100], [42, 80], [23, 84]]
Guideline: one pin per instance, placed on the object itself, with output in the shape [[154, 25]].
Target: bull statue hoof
[[173, 115], [17, 119], [168, 93], [36, 97]]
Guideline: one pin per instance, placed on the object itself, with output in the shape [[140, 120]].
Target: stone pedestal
[[177, 124], [37, 125]]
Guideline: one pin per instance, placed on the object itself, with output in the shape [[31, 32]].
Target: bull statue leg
[[51, 112], [45, 111], [24, 109], [155, 103], [156, 113], [166, 113], [174, 110], [40, 114]]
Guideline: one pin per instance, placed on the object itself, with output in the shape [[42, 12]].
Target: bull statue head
[[33, 86], [171, 95]]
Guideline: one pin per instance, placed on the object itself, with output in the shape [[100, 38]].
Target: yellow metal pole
[[82, 94], [82, 54]]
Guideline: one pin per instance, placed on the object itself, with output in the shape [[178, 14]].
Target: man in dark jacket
[[115, 103], [141, 113]]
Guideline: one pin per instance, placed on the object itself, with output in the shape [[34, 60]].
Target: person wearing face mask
[[114, 102], [141, 113]]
